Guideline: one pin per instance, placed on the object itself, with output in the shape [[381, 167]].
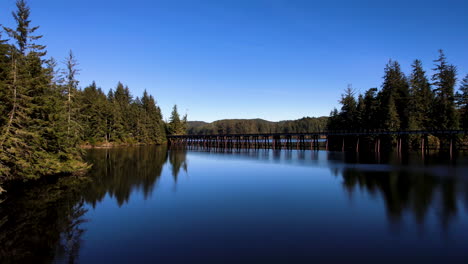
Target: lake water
[[151, 205]]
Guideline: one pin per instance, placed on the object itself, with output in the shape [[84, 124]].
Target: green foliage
[[462, 102], [369, 119], [118, 118], [30, 143], [394, 98], [45, 117], [252, 126], [421, 98], [444, 104], [406, 104], [94, 114], [5, 70], [176, 126]]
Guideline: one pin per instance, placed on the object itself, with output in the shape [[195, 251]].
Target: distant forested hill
[[251, 126]]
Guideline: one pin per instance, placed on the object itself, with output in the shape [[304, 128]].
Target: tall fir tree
[[176, 126], [348, 111], [94, 114], [154, 123], [5, 71], [391, 118], [360, 113], [462, 102], [394, 96], [29, 144], [445, 77], [422, 98], [71, 93], [370, 120]]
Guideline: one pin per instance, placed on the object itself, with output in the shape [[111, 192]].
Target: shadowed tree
[[462, 102], [445, 115], [422, 98], [394, 98], [371, 104], [348, 111], [5, 79]]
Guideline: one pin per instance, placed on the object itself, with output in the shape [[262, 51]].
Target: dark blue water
[[149, 205]]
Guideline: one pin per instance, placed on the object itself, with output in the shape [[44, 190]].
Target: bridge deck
[[334, 133]]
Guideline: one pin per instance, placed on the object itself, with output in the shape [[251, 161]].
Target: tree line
[[45, 117], [254, 126], [413, 102]]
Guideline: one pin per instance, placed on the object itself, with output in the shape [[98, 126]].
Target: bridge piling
[[312, 140]]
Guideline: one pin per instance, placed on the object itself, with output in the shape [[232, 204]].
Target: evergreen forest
[[254, 126], [415, 101], [46, 118]]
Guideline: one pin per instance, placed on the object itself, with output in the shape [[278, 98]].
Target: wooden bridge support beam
[[311, 140]]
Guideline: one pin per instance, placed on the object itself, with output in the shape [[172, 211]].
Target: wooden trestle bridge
[[317, 140]]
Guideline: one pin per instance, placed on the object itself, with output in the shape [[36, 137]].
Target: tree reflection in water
[[119, 171], [43, 222], [436, 186], [178, 160]]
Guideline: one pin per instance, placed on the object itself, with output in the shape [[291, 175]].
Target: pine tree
[[361, 111], [334, 122], [5, 70], [176, 126], [154, 124], [394, 96], [94, 114], [462, 102], [123, 98], [116, 128], [422, 98], [71, 93], [392, 120], [445, 115], [139, 121], [348, 111], [370, 120], [29, 144]]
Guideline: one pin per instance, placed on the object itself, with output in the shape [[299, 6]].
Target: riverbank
[[75, 168], [105, 145]]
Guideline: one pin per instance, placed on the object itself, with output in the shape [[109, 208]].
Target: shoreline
[[110, 145]]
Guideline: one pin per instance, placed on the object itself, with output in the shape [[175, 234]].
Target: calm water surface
[[151, 205]]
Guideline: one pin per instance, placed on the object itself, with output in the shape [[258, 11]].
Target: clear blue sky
[[272, 59]]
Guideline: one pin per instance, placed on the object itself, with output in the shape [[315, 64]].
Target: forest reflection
[[408, 184], [117, 172], [435, 186], [43, 222]]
